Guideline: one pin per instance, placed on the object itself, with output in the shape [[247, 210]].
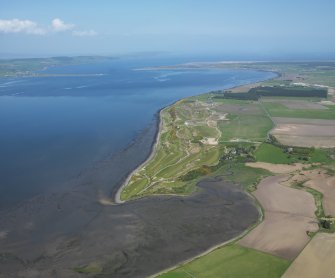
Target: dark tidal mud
[[51, 234]]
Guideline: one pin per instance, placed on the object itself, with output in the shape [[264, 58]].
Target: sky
[[245, 28]]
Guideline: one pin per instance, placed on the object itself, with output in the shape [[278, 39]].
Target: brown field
[[316, 260], [277, 168], [326, 185], [305, 132], [288, 216]]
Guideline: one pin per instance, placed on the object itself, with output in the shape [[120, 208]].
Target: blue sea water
[[52, 128]]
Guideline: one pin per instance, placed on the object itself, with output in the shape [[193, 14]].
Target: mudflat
[[53, 235]]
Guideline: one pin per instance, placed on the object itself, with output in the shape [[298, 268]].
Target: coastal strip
[[117, 197]]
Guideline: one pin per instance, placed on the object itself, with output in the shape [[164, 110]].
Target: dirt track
[[288, 215]]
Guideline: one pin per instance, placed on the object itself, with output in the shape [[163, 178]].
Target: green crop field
[[272, 154], [246, 127], [280, 110], [232, 261]]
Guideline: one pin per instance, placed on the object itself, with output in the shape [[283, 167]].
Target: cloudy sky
[[109, 27]]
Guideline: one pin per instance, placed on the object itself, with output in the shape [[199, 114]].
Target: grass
[[271, 154], [232, 261], [280, 110], [243, 175], [247, 127], [320, 156]]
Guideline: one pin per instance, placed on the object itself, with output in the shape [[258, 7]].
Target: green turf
[[246, 127], [280, 110], [232, 261], [272, 154], [320, 156]]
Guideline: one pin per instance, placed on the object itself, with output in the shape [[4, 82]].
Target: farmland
[[232, 261], [287, 163]]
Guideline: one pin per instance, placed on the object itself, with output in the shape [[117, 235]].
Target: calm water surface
[[52, 128]]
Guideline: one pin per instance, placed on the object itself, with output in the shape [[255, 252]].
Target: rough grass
[[232, 261], [272, 154], [243, 175]]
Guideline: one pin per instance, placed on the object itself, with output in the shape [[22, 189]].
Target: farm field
[[278, 148], [288, 216], [304, 132], [325, 184], [279, 110], [232, 261], [316, 260]]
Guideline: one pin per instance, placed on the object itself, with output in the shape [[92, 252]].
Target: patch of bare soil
[[319, 180], [288, 216], [277, 168], [326, 185], [316, 260], [305, 132]]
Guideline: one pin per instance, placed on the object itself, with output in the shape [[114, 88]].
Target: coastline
[[217, 246], [117, 196], [116, 199]]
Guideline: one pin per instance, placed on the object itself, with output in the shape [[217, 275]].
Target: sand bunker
[[277, 168], [288, 215], [316, 260], [209, 141]]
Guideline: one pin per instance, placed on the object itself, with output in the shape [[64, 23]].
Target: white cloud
[[31, 27], [87, 33], [20, 26], [59, 25]]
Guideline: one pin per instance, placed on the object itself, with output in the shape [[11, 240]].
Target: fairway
[[232, 261]]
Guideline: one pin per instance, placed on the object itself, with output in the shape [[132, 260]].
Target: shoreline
[[116, 198], [220, 245], [117, 195]]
